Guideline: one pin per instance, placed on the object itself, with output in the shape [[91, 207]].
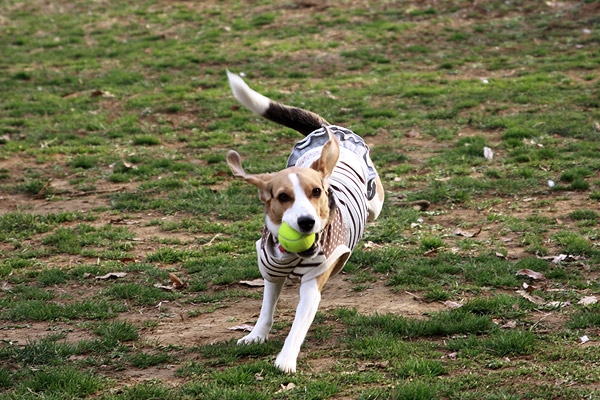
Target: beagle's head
[[298, 196]]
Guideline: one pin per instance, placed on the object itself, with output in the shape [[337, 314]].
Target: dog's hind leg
[[261, 330], [310, 297]]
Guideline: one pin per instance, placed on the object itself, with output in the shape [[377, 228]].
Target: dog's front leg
[[310, 297], [261, 330]]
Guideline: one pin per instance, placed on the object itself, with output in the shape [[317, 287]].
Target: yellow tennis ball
[[294, 241]]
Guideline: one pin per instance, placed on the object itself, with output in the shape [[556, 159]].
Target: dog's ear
[[329, 155], [261, 181]]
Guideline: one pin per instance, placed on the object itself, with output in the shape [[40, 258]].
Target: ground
[[479, 280]]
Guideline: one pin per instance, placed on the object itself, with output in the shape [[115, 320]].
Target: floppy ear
[[261, 181], [329, 155]]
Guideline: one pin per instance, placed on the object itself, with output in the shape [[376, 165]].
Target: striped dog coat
[[352, 184]]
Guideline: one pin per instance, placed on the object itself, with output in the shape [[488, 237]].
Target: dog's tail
[[301, 120]]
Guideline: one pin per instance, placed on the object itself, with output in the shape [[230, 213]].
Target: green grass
[[115, 121]]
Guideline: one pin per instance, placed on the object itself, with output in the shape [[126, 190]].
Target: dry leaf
[[532, 298], [243, 328], [126, 260], [500, 255], [286, 388], [113, 275], [538, 276], [412, 134], [587, 300], [529, 288], [169, 288], [177, 283], [465, 233], [4, 138], [254, 283], [509, 325], [563, 257], [452, 304], [258, 376]]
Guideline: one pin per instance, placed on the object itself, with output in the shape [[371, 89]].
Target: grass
[[115, 121]]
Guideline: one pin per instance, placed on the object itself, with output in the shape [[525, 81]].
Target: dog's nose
[[306, 223]]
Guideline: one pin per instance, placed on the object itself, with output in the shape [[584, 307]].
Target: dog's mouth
[[314, 249]]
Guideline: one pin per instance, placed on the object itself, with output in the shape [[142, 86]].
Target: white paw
[[252, 338], [285, 363]]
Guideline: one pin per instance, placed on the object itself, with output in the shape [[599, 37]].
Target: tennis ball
[[294, 241]]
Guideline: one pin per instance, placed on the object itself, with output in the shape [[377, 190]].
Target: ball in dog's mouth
[[294, 241]]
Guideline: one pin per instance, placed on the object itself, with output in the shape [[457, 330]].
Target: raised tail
[[298, 119]]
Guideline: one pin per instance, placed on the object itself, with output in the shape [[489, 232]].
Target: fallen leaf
[[286, 388], [500, 255], [532, 298], [587, 300], [243, 328], [529, 288], [538, 276], [258, 376], [452, 356], [4, 138], [126, 260], [509, 325], [169, 288], [177, 283], [254, 283], [113, 275], [452, 304], [465, 233]]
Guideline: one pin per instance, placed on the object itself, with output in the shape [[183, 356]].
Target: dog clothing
[[352, 184]]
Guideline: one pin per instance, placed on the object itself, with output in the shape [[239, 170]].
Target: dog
[[330, 188]]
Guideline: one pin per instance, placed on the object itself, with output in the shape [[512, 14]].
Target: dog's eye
[[316, 192], [283, 197]]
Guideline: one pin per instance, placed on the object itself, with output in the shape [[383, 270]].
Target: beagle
[[329, 187]]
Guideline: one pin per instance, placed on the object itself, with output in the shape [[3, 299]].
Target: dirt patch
[[24, 333], [213, 327]]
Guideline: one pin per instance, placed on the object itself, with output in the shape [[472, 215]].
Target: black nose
[[306, 223]]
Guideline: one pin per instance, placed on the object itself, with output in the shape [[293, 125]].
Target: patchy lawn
[[124, 238]]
